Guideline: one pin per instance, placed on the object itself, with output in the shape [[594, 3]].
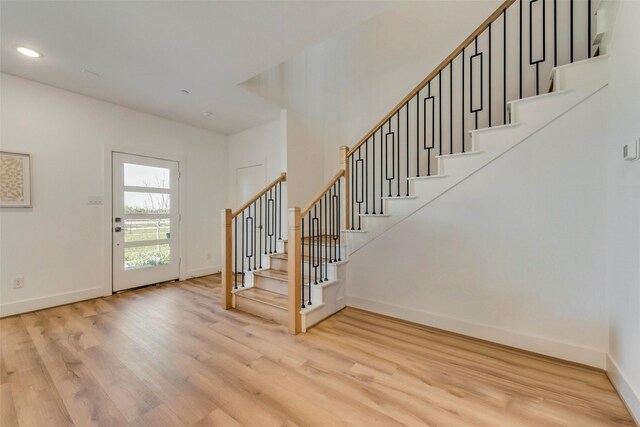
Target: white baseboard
[[198, 272], [11, 308], [630, 396], [544, 346]]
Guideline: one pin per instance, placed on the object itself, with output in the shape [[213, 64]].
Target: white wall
[[336, 91], [260, 145], [59, 245], [514, 254], [623, 207]]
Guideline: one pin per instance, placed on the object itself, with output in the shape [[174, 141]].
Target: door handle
[[117, 229]]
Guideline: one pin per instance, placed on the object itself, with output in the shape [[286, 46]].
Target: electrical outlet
[[18, 283]]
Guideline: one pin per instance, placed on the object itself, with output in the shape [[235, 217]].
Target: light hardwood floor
[[170, 356]]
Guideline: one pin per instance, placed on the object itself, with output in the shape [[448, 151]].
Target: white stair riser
[[265, 311], [455, 166], [271, 284], [574, 75]]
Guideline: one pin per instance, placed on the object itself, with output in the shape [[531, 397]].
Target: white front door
[[145, 221]]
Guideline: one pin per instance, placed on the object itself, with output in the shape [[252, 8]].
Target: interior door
[[145, 221], [249, 181]]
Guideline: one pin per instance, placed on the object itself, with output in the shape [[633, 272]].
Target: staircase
[[573, 84], [266, 291], [485, 98]]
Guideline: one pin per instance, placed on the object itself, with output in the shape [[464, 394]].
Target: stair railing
[[314, 241], [502, 60], [248, 233]]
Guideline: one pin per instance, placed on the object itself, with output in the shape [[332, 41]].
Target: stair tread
[[466, 153], [273, 274], [305, 258], [264, 296], [280, 275]]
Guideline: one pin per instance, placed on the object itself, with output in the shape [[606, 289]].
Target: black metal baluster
[[253, 238], [310, 260], [280, 211], [440, 114], [326, 240], [366, 177], [571, 32], [504, 63], [407, 153], [359, 171], [555, 33], [471, 97], [314, 239], [398, 149], [235, 253], [430, 146], [261, 228], [269, 221], [417, 133], [383, 145], [339, 216], [246, 237], [267, 236], [589, 14], [451, 106], [520, 64], [353, 191], [462, 100], [242, 258], [275, 218], [302, 260], [330, 229], [490, 57], [537, 62], [373, 176], [334, 222], [386, 155], [320, 239]]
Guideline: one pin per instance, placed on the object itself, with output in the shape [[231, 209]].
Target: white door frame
[[107, 210]]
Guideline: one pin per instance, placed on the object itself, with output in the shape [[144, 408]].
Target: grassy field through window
[[139, 230]]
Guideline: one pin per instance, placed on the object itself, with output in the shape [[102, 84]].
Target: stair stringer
[[574, 82]]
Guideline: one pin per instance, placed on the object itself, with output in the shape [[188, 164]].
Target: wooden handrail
[[435, 72], [282, 177], [326, 188]]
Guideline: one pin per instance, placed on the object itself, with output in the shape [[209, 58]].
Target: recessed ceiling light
[[207, 113], [28, 52], [184, 92]]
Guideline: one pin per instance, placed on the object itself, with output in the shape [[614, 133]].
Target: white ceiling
[[147, 51]]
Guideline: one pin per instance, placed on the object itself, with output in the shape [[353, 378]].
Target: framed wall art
[[15, 180]]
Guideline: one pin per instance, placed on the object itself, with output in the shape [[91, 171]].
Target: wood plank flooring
[[170, 356]]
